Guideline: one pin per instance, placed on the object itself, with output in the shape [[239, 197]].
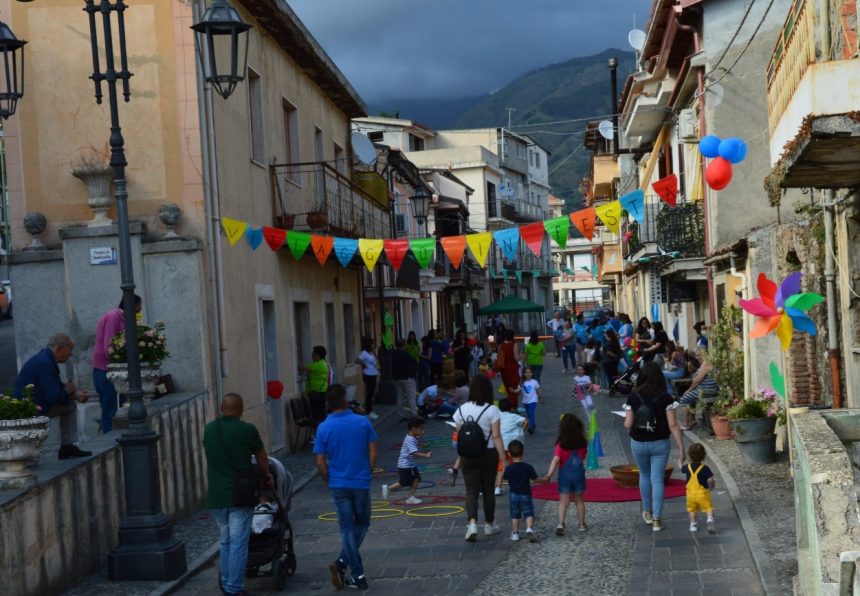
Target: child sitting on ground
[[519, 475], [571, 448], [512, 429], [700, 481], [406, 468], [431, 401]]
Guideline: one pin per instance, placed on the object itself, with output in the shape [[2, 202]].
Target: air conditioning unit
[[687, 126]]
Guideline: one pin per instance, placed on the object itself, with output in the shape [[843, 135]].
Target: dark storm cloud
[[450, 48]]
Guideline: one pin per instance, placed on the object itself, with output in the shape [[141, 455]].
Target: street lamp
[[221, 32], [12, 83], [421, 203]]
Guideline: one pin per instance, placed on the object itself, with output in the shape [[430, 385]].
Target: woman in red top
[[511, 371], [571, 448]]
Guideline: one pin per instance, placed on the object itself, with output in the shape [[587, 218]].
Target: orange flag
[[532, 235], [396, 251], [584, 221], [454, 247], [322, 246], [274, 237]]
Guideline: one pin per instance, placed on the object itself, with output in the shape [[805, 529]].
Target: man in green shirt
[[228, 439], [319, 375]]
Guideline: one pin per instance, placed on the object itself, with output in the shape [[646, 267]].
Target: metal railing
[[681, 230], [314, 195], [645, 232]]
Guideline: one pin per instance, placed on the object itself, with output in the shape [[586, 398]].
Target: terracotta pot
[[627, 476], [285, 221], [722, 429], [317, 219]]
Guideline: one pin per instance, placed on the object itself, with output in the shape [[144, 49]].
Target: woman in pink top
[[571, 447], [111, 323]]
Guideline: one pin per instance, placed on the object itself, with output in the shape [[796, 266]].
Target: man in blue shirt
[[345, 448], [54, 398]]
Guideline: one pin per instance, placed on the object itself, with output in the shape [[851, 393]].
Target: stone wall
[[61, 530]]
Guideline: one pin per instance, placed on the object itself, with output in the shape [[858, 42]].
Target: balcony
[[525, 211], [812, 97], [604, 172], [315, 196], [644, 235], [681, 230]]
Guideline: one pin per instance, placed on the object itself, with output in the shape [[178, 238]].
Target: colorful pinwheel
[[782, 309]]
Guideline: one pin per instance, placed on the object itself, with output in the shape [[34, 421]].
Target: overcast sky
[[453, 48]]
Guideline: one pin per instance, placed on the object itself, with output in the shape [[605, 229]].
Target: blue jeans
[[235, 526], [530, 413], [537, 369], [107, 398], [568, 352], [522, 506], [651, 458], [353, 515], [678, 373]]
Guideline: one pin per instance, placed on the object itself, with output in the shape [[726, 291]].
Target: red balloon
[[719, 173], [275, 389]]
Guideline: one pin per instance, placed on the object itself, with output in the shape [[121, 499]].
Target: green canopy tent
[[511, 304]]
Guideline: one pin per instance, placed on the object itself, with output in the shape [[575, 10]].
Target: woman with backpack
[[650, 418], [479, 445]]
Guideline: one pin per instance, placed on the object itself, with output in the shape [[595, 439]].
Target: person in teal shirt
[[535, 352]]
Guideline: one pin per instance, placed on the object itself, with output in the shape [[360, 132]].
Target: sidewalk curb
[[211, 553], [760, 558]]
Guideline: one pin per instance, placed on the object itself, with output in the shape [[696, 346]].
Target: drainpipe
[[745, 293], [212, 213], [830, 280]]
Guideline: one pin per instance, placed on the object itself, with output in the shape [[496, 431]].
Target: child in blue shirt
[[519, 475]]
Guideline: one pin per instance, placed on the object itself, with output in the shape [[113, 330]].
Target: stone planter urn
[[35, 223], [149, 375], [169, 214], [98, 179], [20, 441]]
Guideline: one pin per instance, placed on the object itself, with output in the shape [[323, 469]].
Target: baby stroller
[[271, 541], [627, 381]]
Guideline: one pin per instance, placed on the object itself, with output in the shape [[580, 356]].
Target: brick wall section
[[849, 28]]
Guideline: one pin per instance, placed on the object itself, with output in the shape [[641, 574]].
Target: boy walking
[[700, 481], [519, 475], [406, 468]]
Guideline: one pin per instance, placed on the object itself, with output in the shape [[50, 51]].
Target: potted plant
[[152, 351], [719, 419], [753, 420], [726, 355], [22, 432], [317, 219]]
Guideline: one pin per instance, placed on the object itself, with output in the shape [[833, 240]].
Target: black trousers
[[369, 391], [479, 474]]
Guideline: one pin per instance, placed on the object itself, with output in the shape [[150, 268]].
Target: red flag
[[274, 237], [322, 246], [454, 247], [396, 251], [584, 221], [667, 188], [532, 235]]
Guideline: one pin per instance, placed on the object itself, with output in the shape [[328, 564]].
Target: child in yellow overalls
[[700, 481]]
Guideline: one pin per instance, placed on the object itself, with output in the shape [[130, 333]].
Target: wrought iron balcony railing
[[314, 195], [645, 232], [681, 230]]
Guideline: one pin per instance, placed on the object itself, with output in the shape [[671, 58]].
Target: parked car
[[593, 314]]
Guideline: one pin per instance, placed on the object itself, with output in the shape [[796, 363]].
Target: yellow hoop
[[378, 504], [332, 516], [454, 510]]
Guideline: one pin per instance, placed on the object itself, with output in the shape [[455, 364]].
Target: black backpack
[[643, 417], [471, 441]]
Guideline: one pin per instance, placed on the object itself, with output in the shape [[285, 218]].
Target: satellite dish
[[605, 129], [636, 39], [363, 148]]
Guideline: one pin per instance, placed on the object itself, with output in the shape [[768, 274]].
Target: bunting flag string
[[478, 244]]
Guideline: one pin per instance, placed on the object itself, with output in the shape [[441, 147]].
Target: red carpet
[[605, 490]]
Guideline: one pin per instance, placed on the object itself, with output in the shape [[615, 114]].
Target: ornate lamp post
[[12, 83], [421, 205]]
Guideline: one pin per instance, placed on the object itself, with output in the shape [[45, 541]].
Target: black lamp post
[[12, 83], [221, 32], [421, 205]]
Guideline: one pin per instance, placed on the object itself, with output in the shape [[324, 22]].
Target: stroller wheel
[[250, 572], [291, 564], [279, 574]]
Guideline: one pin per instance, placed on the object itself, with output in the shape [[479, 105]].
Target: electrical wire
[[732, 40]]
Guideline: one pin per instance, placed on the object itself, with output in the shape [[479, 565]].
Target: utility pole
[[510, 111]]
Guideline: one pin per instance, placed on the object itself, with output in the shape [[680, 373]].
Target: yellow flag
[[234, 229], [479, 244], [370, 251], [610, 215]]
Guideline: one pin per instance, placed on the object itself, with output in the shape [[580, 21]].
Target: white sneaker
[[647, 517], [413, 501], [373, 416], [385, 492], [499, 491], [491, 529], [515, 537], [711, 528], [694, 527], [471, 532]]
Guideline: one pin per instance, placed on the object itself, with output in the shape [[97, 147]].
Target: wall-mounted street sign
[[102, 255]]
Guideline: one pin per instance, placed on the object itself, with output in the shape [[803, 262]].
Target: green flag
[[298, 243], [423, 249], [557, 229]]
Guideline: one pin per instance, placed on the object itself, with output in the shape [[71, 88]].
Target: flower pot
[[722, 430], [751, 429], [627, 476], [761, 450], [98, 179], [20, 441], [149, 375], [317, 219]]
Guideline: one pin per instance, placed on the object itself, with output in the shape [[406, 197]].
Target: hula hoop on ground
[[432, 499], [374, 514], [378, 504], [454, 510], [422, 484]]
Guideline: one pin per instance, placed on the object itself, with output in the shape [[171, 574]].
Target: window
[[537, 159], [400, 225], [269, 342], [339, 160], [415, 143], [348, 333], [521, 151], [302, 326], [492, 209], [291, 137], [255, 110], [376, 136]]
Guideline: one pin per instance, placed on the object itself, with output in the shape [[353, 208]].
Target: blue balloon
[[729, 149], [709, 145], [742, 152]]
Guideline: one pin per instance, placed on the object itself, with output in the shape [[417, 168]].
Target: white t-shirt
[[485, 421], [511, 428], [371, 366], [430, 392], [554, 324], [530, 388]]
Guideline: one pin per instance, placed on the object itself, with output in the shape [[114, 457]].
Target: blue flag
[[344, 249], [254, 236], [509, 241], [634, 204]]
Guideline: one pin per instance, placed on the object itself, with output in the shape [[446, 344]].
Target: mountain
[[578, 89]]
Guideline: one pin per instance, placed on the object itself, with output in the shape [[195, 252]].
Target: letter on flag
[[584, 221], [667, 189], [509, 241], [557, 229], [344, 249], [370, 251], [322, 247], [532, 234], [396, 251], [610, 215], [634, 204], [454, 247], [274, 237], [422, 249], [298, 243], [234, 229], [479, 244]]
